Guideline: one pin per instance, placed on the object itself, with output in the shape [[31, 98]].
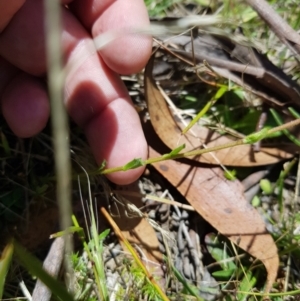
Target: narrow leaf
[[174, 152], [5, 261], [135, 163], [255, 137], [34, 266], [286, 132]]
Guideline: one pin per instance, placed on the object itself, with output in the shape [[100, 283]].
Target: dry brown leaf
[[136, 229], [221, 202], [169, 132]]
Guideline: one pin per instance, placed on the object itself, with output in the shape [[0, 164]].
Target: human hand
[[95, 96]]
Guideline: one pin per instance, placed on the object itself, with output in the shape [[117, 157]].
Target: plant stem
[[250, 139], [59, 120]]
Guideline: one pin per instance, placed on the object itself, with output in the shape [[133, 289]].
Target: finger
[[7, 72], [127, 54], [22, 42], [25, 105], [98, 100], [7, 11], [94, 93], [90, 87], [121, 139], [23, 100]]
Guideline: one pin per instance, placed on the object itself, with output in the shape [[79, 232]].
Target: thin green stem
[[290, 293], [250, 139]]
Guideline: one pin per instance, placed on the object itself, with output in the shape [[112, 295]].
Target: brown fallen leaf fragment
[[133, 252], [222, 203], [169, 132], [135, 228]]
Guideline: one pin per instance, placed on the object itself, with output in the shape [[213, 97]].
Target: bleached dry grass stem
[[59, 124], [158, 28]]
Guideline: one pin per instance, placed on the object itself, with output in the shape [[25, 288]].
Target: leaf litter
[[219, 201], [206, 189]]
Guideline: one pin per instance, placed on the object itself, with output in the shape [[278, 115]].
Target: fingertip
[[130, 52], [130, 56], [25, 106], [116, 136]]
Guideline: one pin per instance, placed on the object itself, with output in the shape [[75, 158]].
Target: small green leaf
[[246, 285], [174, 152], [102, 166], [230, 174], [5, 144], [5, 261], [221, 92], [255, 201], [135, 163], [279, 121], [225, 274], [294, 112], [254, 137], [219, 253], [72, 229], [103, 234], [266, 186], [177, 150], [208, 105], [191, 98]]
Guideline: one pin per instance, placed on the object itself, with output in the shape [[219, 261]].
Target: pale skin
[[95, 96]]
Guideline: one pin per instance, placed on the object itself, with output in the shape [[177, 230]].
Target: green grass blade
[[188, 287], [218, 95], [5, 261], [280, 183], [175, 151], [5, 144], [285, 132], [294, 112], [246, 285], [72, 229], [255, 137], [35, 267], [96, 251]]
